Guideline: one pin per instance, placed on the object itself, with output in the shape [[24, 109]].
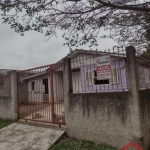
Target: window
[[99, 82], [76, 82], [147, 75], [33, 84], [114, 72], [45, 83], [91, 77]]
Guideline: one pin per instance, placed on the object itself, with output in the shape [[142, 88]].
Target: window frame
[[117, 76], [88, 77], [110, 83]]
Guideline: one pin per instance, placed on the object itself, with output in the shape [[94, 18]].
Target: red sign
[[132, 144], [103, 67]]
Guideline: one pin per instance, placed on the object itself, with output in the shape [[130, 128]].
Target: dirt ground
[[28, 109], [42, 112]]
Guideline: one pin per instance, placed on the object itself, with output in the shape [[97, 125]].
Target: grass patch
[[5, 122], [75, 144]]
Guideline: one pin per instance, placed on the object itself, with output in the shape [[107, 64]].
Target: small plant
[[75, 144], [5, 122]]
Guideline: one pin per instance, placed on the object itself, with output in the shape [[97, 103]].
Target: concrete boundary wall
[[5, 107], [145, 116], [8, 97], [102, 118]]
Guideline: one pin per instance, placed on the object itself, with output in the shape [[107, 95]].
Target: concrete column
[[67, 78], [133, 87], [14, 101]]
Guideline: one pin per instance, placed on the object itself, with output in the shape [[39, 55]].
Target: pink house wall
[[121, 86]]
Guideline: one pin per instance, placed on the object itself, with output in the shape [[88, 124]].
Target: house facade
[[40, 83], [84, 77], [84, 73]]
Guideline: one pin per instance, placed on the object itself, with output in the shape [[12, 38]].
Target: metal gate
[[40, 94]]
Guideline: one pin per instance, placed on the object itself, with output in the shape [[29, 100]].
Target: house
[[41, 96], [3, 72], [84, 74], [40, 85]]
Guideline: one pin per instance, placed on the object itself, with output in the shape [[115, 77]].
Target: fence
[[40, 94], [91, 72]]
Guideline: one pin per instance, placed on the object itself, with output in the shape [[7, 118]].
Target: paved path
[[25, 137]]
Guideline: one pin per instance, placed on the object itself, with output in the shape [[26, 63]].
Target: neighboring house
[[4, 71], [2, 76]]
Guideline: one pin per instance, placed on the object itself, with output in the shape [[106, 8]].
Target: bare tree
[[81, 20]]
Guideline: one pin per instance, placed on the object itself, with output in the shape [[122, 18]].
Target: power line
[[9, 63], [24, 56], [16, 55]]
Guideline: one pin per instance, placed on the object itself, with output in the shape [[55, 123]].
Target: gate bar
[[52, 92]]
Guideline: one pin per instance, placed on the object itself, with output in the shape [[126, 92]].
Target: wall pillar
[[67, 78], [14, 101], [133, 87]]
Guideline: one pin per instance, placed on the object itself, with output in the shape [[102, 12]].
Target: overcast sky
[[33, 45]]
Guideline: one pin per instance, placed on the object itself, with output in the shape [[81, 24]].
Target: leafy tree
[[147, 37], [81, 20]]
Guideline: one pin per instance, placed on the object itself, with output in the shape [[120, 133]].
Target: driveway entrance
[[19, 136], [41, 94]]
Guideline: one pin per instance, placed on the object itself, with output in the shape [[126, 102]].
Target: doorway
[[46, 91]]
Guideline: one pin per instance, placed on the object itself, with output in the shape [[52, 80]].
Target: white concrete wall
[[37, 94], [58, 86]]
